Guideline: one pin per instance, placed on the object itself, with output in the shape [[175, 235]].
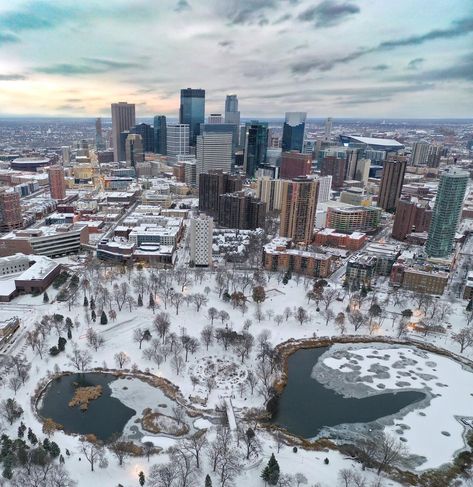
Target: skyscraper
[[241, 210], [215, 118], [293, 131], [10, 210], [335, 167], [294, 164], [435, 153], [99, 142], [177, 139], [214, 152], [192, 111], [298, 206], [232, 115], [212, 185], [447, 211], [391, 182], [147, 135], [134, 150], [123, 118], [160, 135], [411, 216], [57, 184], [328, 128], [420, 153], [256, 145]]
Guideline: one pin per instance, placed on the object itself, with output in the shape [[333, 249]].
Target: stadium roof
[[373, 142]]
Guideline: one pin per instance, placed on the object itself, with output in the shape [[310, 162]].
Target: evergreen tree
[[103, 318], [141, 478], [469, 306], [140, 300], [208, 481], [69, 334], [61, 344], [93, 315], [54, 450], [92, 303], [270, 473], [86, 301], [45, 297], [46, 444], [21, 430], [151, 301], [364, 291]]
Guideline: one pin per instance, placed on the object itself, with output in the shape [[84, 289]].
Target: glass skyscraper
[[256, 145], [293, 131], [447, 211], [192, 111], [160, 135]]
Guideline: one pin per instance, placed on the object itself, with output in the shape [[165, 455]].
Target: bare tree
[[155, 352], [80, 359], [14, 383], [162, 324], [328, 314], [121, 359], [212, 313], [176, 300], [207, 335], [95, 340], [185, 469], [140, 335], [357, 319], [250, 441], [177, 363], [91, 449], [199, 300], [382, 450], [194, 445], [131, 301], [121, 449], [328, 297], [278, 319], [163, 475], [287, 313], [464, 338], [301, 315]]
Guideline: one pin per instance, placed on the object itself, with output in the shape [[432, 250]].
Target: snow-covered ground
[[118, 336]]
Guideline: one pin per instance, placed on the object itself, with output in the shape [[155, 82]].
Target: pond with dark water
[[104, 417], [306, 406]]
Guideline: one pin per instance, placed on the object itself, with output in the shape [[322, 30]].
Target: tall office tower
[[177, 139], [147, 135], [391, 182], [241, 210], [420, 153], [362, 172], [294, 164], [447, 211], [57, 183], [66, 155], [10, 211], [293, 131], [215, 118], [335, 167], [328, 128], [256, 145], [212, 185], [160, 146], [232, 115], [325, 183], [411, 216], [298, 206], [83, 149], [134, 150], [221, 128], [99, 141], [435, 153], [123, 118], [192, 111], [214, 152], [201, 241]]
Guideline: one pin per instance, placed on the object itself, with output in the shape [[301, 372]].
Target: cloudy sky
[[353, 58]]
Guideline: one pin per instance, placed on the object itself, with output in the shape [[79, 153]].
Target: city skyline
[[340, 59]]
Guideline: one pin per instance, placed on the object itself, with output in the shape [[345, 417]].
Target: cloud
[[283, 18], [35, 15], [329, 13], [91, 66], [67, 107], [226, 44], [241, 12], [415, 63], [7, 38], [182, 5], [12, 77], [110, 65], [462, 70], [378, 67], [458, 28]]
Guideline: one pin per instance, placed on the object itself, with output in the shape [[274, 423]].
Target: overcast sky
[[340, 58]]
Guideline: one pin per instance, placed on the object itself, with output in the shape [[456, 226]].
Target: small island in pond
[[83, 395]]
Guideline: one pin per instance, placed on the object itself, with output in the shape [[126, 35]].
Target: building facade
[[411, 217], [123, 118], [353, 219], [241, 210], [192, 111], [256, 145], [177, 140], [391, 183], [295, 164], [335, 167], [212, 185], [57, 183], [214, 152], [293, 131], [201, 232], [10, 211], [160, 135]]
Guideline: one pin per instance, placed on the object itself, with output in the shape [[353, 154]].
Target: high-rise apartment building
[[201, 232], [391, 182], [57, 184], [328, 128], [435, 153], [241, 210], [212, 185], [192, 111], [325, 184], [214, 152], [447, 211], [123, 118], [256, 145], [269, 191], [159, 126], [335, 167], [293, 131], [10, 211], [134, 150], [177, 139], [411, 216], [294, 164], [298, 207], [66, 155], [147, 135], [420, 153]]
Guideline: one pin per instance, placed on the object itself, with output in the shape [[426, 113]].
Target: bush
[[294, 449], [54, 351]]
